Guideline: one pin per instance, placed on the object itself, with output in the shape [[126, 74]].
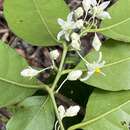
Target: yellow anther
[[98, 70]]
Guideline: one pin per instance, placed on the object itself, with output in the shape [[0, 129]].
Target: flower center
[[98, 70]]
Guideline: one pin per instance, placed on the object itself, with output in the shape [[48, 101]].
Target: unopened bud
[[79, 12], [54, 54], [29, 72], [74, 75], [79, 24], [72, 111]]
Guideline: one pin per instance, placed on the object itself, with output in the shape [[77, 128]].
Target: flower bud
[[54, 54], [76, 45], [72, 111], [79, 12], [79, 24], [61, 111], [75, 36], [29, 72], [74, 75]]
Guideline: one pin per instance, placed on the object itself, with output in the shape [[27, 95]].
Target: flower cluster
[[77, 22]]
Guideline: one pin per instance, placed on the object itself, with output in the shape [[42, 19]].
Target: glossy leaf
[[118, 27], [13, 87], [117, 57], [35, 21], [107, 111], [34, 113]]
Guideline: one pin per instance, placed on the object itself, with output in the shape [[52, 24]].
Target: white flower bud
[[72, 111], [79, 12], [29, 72], [96, 43], [61, 111], [74, 75], [79, 24], [75, 36], [54, 54], [76, 44]]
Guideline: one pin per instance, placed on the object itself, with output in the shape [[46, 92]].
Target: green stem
[[56, 110], [61, 66]]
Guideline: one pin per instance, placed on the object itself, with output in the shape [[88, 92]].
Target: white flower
[[96, 9], [70, 112], [67, 27], [94, 67], [61, 111], [79, 24], [78, 12], [76, 43], [86, 5], [29, 72], [96, 43], [74, 75], [54, 54]]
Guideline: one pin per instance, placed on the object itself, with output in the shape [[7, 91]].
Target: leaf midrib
[[80, 125], [41, 107], [43, 19], [19, 84]]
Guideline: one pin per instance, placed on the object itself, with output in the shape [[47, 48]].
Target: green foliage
[[35, 21], [117, 27], [117, 57], [107, 110], [34, 113], [13, 87]]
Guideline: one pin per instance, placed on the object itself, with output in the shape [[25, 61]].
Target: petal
[[60, 21], [61, 33], [104, 5], [96, 43], [89, 74], [100, 57], [67, 36], [70, 17], [104, 15], [86, 5], [94, 2]]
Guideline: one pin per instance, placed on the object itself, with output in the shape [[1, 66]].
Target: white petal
[[94, 2], [67, 36], [54, 54], [70, 17], [61, 33], [104, 5], [104, 15], [89, 74], [60, 21], [72, 111], [96, 43], [74, 75], [86, 5], [61, 110], [76, 44], [100, 57]]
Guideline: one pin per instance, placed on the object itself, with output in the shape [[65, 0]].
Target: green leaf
[[118, 27], [35, 113], [35, 21], [107, 111], [117, 67], [13, 87]]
